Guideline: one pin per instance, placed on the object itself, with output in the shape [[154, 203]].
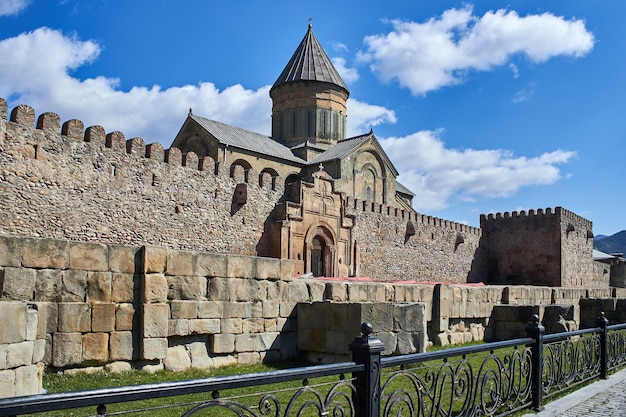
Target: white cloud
[[427, 56], [525, 93], [363, 116], [349, 75], [36, 70], [12, 7], [440, 176]]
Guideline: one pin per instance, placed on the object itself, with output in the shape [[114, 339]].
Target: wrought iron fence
[[493, 379]]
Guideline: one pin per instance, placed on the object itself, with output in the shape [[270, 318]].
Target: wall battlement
[[395, 212], [492, 219]]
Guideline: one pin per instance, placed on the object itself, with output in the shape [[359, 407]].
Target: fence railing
[[492, 379]]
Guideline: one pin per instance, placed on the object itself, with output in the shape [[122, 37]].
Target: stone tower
[[309, 101]]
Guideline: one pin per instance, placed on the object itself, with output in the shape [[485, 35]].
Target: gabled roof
[[347, 146], [402, 189], [310, 63], [245, 139]]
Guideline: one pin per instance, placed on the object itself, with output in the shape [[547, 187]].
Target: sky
[[483, 107]]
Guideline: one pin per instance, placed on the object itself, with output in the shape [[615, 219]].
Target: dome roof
[[310, 63]]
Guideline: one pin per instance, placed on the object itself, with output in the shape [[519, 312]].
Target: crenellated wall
[[412, 246], [67, 182], [552, 248]]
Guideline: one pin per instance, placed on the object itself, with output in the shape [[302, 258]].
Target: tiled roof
[[342, 148], [402, 189], [245, 139], [310, 63]]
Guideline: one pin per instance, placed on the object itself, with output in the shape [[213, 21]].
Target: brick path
[[605, 398]]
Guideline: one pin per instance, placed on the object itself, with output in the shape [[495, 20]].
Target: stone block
[[177, 359], [7, 383], [67, 349], [74, 317], [180, 263], [89, 256], [204, 326], [39, 350], [154, 288], [316, 290], [99, 287], [270, 325], [232, 326], [19, 354], [186, 288], [390, 340], [10, 254], [251, 290], [223, 289], [248, 358], [298, 291], [118, 367], [74, 286], [28, 380], [256, 309], [271, 309], [154, 348], [48, 285], [125, 317], [48, 318], [240, 266], [45, 253], [96, 347], [103, 318], [183, 309], [268, 268], [336, 342], [154, 259], [32, 322], [155, 320], [211, 265], [179, 327], [18, 284], [254, 325], [199, 356], [210, 309], [16, 332], [380, 315], [124, 259], [246, 342], [336, 291], [236, 310], [278, 291], [124, 287], [287, 269], [408, 342], [223, 343], [288, 309]]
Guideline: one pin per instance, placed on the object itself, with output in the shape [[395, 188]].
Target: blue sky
[[483, 107]]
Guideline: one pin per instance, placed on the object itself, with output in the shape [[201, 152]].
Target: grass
[[161, 407]]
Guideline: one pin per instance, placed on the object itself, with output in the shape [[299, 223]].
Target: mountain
[[599, 237], [611, 244]]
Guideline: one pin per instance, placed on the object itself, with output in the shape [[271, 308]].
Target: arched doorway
[[317, 256], [321, 252]]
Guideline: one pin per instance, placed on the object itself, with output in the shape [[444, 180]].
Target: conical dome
[[309, 99], [310, 63]]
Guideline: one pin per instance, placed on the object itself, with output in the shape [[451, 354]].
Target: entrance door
[[317, 257]]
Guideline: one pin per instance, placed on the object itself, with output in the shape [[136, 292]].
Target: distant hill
[[599, 237], [611, 244]]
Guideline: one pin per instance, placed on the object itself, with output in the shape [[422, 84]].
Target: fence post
[[602, 322], [366, 350], [536, 331]]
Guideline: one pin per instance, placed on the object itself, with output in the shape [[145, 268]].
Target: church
[[308, 146]]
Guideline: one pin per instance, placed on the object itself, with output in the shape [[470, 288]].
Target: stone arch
[[263, 177], [239, 170], [372, 178], [321, 250]]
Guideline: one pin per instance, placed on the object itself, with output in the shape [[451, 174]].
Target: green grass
[[164, 406]]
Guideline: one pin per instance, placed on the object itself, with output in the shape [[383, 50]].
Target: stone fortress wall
[[131, 255], [68, 182]]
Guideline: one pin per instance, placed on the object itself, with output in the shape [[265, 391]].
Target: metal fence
[[492, 379]]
